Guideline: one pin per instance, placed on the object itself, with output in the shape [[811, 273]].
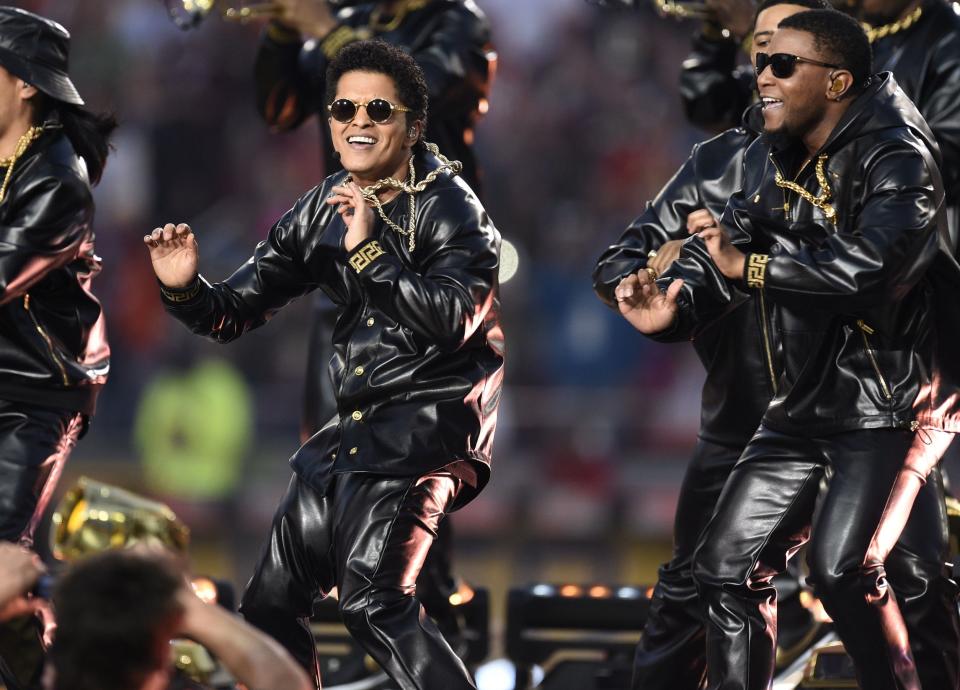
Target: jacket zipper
[[766, 340], [864, 331], [47, 340]]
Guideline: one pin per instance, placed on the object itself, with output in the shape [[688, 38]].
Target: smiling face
[[370, 150], [795, 105]]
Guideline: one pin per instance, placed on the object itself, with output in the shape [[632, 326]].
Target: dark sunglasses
[[784, 64], [379, 110]]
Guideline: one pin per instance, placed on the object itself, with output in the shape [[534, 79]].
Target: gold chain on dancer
[[412, 188], [823, 199], [876, 33], [23, 144]]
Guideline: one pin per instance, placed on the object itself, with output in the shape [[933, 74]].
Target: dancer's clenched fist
[[174, 254]]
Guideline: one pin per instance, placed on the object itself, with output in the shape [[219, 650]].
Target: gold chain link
[[821, 201], [23, 143], [410, 187], [876, 33]]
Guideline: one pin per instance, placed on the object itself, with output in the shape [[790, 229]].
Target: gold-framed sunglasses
[[379, 109]]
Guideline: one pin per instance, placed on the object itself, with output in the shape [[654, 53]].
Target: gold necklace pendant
[[23, 143], [822, 200], [876, 33], [411, 188]]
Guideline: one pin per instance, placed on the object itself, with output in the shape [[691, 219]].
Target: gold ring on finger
[[652, 254], [652, 272]]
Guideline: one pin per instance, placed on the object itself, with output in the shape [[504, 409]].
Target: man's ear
[[841, 82]]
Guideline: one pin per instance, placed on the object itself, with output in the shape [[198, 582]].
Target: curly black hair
[[382, 58], [839, 38]]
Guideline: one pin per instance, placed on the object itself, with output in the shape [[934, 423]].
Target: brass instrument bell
[[93, 517]]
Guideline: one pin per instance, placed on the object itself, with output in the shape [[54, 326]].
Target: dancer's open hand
[[174, 254], [644, 306]]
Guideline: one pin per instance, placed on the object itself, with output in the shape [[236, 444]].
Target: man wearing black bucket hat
[[53, 350]]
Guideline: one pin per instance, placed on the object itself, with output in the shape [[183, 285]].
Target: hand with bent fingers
[[19, 571], [359, 223], [643, 305], [734, 15], [728, 258], [666, 255], [174, 254], [312, 18]]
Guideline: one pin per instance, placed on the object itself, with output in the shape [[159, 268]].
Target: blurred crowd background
[[597, 423]]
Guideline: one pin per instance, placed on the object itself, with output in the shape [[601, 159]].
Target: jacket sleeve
[[455, 59], [940, 106], [713, 89], [45, 229], [448, 298], [893, 243], [287, 93], [664, 219], [274, 276]]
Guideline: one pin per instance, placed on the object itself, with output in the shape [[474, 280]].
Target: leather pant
[[769, 508], [671, 654], [35, 443], [436, 582], [368, 537]]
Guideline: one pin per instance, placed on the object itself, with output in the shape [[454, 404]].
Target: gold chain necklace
[[876, 33], [821, 201], [411, 187], [23, 143]]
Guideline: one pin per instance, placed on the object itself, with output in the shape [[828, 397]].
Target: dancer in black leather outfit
[[54, 356], [450, 40], [671, 652], [417, 369], [824, 264]]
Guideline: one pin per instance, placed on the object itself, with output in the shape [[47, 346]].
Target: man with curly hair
[[417, 366]]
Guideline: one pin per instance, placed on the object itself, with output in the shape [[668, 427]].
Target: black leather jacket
[[418, 348], [854, 311], [739, 384], [449, 39], [53, 348], [924, 58]]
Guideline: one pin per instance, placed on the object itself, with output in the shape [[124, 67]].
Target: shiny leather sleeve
[[43, 230], [940, 105], [286, 95], [446, 301], [713, 89], [275, 275], [892, 245], [456, 52], [664, 219]]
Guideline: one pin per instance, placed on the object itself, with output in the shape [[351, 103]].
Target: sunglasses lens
[[379, 110], [783, 65], [343, 110]]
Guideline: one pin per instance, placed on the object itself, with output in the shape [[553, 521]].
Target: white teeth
[[361, 140], [770, 101]]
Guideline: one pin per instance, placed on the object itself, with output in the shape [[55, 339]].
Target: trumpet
[[676, 9], [187, 14], [682, 10]]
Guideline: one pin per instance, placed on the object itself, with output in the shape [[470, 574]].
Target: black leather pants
[[765, 514], [35, 443], [671, 654], [436, 582], [367, 537]]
